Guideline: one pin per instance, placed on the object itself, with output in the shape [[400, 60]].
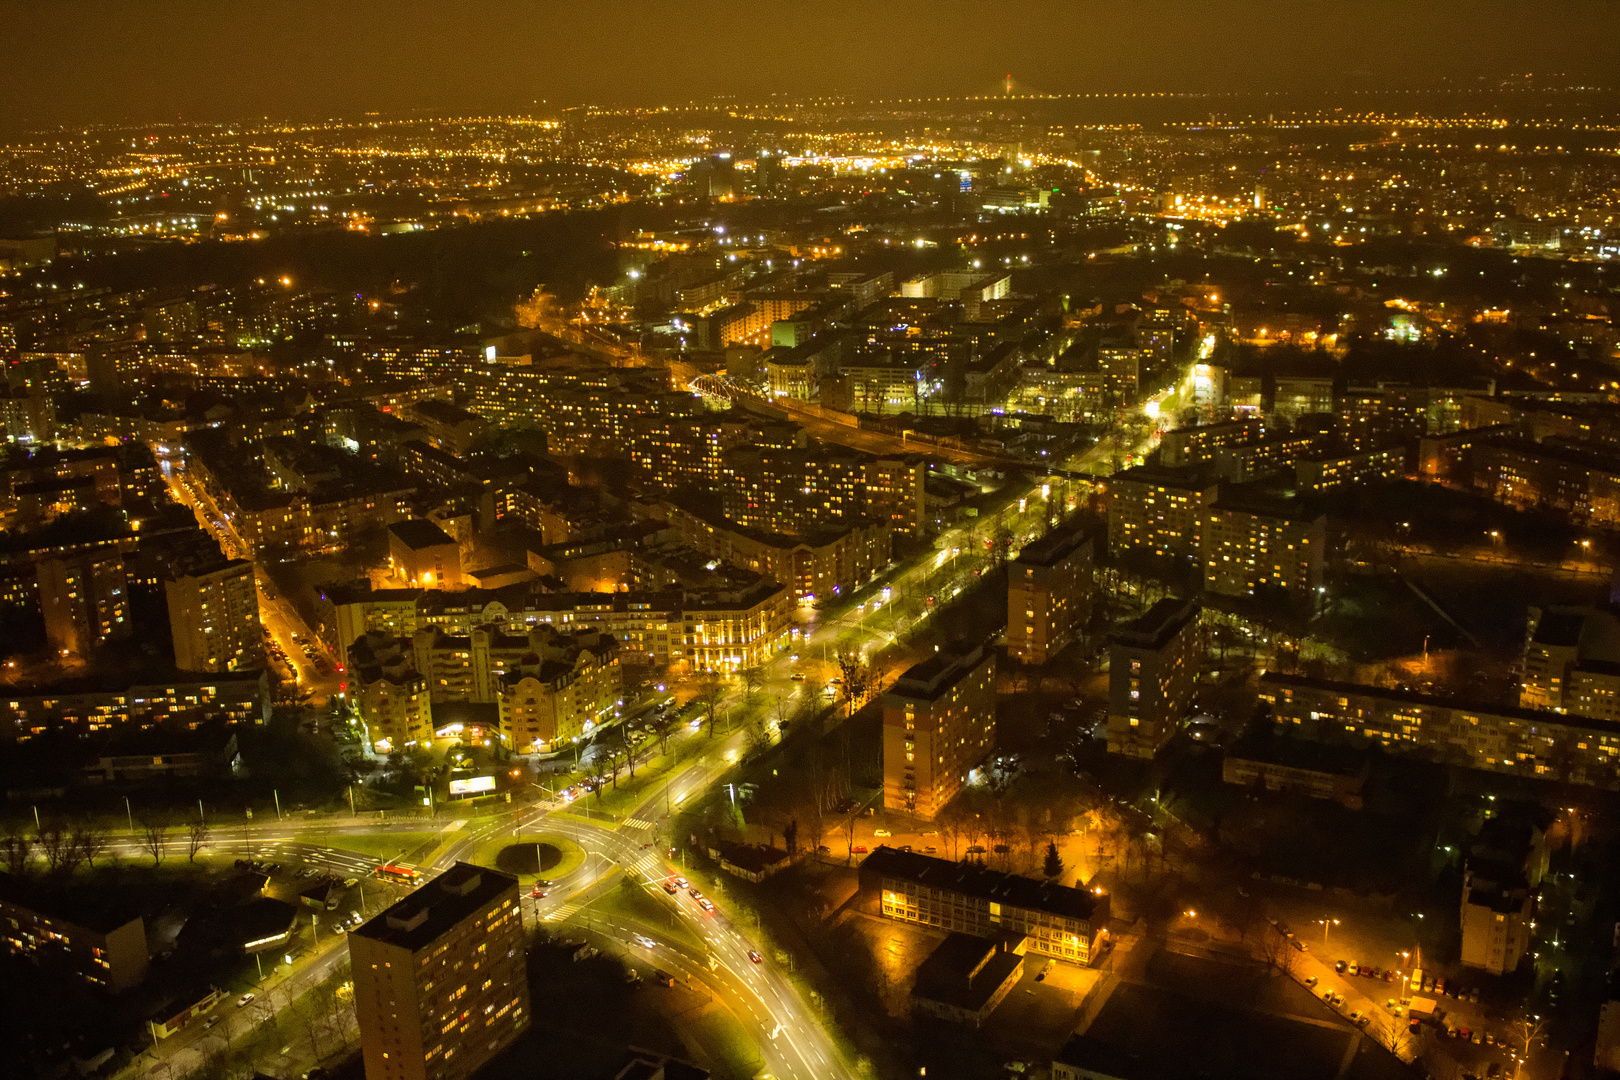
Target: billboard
[[472, 785]]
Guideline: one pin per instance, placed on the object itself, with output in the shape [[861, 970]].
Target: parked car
[[245, 999]]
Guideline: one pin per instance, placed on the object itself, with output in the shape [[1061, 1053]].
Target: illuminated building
[[1493, 738], [939, 723], [560, 692], [1049, 590], [1059, 921], [1263, 457], [214, 619], [1578, 479], [449, 427], [895, 492], [1323, 473], [1263, 546], [1197, 443], [1498, 910], [1158, 511], [439, 979], [1152, 675], [234, 697], [421, 553], [819, 562], [85, 601], [1572, 662], [80, 931]]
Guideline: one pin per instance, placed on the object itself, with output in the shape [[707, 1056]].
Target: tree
[[857, 679], [753, 677], [197, 836], [154, 838], [1053, 866], [55, 843], [709, 693], [790, 836], [15, 846], [90, 839]]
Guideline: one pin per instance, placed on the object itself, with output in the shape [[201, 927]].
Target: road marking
[[637, 823], [559, 914]]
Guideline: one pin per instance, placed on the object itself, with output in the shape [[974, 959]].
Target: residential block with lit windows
[[1263, 546], [1153, 672], [439, 979], [1158, 511], [87, 931], [214, 618], [939, 723], [1049, 592], [963, 897]]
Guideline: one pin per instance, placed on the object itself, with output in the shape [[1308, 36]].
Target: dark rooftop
[[1156, 626], [1054, 547], [432, 910], [419, 533], [971, 879]]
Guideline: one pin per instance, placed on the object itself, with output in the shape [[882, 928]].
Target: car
[[881, 832], [1440, 984], [682, 882], [349, 883], [669, 887], [663, 978], [1494, 1071], [245, 999], [212, 1020], [1341, 967], [1473, 996], [1371, 973], [694, 894], [705, 905], [1415, 1027], [1490, 1039], [1310, 980], [755, 957], [1463, 1033], [797, 676], [1298, 945], [542, 883], [1479, 1037], [858, 849]]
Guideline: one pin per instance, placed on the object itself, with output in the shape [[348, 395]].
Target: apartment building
[[214, 618], [1158, 511], [1049, 594], [89, 932], [85, 601], [1269, 546], [939, 723], [1153, 672], [439, 979]]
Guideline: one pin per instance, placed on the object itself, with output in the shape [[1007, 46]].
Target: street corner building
[[439, 978]]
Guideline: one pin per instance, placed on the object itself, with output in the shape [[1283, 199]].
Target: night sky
[[70, 61]]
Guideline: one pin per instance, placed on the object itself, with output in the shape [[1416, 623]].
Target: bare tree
[[154, 837], [90, 839], [56, 845], [15, 847], [1277, 951], [753, 677], [197, 837], [709, 693], [781, 712]]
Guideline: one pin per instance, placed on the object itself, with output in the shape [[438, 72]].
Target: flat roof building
[[1049, 590], [1153, 670], [439, 978], [939, 722]]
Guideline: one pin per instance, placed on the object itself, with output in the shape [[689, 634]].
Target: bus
[[402, 874]]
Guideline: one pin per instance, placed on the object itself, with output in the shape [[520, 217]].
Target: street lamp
[[1326, 923]]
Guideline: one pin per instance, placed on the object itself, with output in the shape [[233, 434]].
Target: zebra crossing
[[561, 913], [638, 823]]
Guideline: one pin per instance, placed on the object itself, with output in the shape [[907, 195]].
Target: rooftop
[[971, 879], [434, 909], [1156, 626], [419, 533]]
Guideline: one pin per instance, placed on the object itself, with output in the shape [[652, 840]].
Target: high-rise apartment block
[[439, 980], [1276, 547], [214, 619], [1049, 590], [939, 722], [84, 600], [1152, 675], [1158, 511]]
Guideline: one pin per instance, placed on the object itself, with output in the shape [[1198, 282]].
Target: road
[[792, 1041]]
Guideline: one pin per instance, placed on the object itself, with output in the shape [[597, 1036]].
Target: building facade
[[1049, 593], [439, 979], [214, 619], [939, 722], [1153, 672]]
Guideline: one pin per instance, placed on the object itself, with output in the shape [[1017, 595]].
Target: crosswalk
[[561, 913], [638, 823]]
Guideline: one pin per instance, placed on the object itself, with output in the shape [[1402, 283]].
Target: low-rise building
[[966, 977], [421, 553], [963, 897], [1297, 766]]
